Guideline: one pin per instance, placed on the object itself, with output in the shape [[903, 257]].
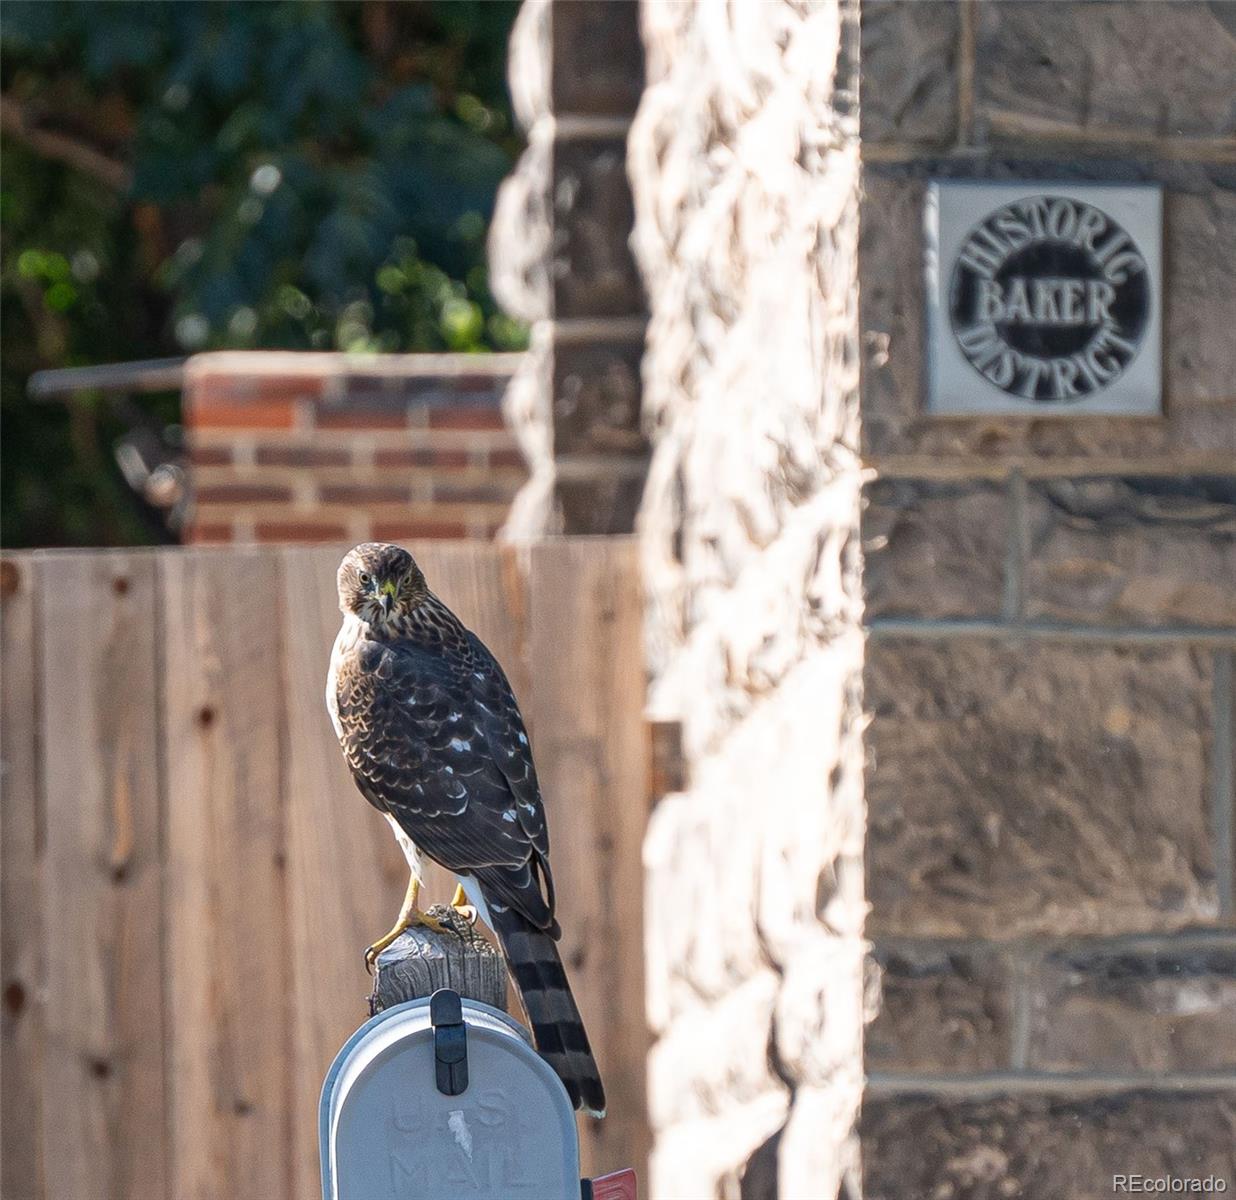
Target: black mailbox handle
[[450, 1042]]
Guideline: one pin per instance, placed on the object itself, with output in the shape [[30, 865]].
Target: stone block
[[747, 629], [891, 316], [941, 1009], [521, 232], [529, 54], [1199, 310], [909, 68], [1104, 69], [818, 1154], [820, 1010], [789, 882], [805, 740], [934, 549], [715, 949], [592, 271], [1140, 551], [710, 1157], [715, 1057], [1169, 1011], [1034, 787], [596, 399], [1041, 1147], [597, 58]]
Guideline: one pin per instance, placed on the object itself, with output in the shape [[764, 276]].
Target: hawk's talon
[[372, 953], [459, 902]]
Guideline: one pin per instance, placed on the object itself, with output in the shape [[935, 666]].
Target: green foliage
[[292, 173], [73, 292]]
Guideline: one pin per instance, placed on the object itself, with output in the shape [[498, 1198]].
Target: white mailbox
[[445, 1099]]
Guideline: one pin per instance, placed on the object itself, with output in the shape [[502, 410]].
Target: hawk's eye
[[365, 577]]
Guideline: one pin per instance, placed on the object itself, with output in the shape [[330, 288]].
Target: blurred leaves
[[181, 176]]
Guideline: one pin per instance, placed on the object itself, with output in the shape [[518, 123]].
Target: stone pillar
[[744, 163], [1051, 630], [1052, 615], [560, 260]]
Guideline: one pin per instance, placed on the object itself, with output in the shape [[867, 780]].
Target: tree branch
[[16, 122]]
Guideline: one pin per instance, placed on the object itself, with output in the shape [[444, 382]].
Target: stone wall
[[1052, 616], [561, 261], [744, 164], [329, 447]]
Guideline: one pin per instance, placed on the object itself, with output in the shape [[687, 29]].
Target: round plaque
[[1049, 299]]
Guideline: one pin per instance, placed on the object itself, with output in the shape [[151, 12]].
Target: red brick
[[210, 456], [198, 533], [246, 389], [477, 383], [360, 418], [473, 417], [421, 458], [401, 531], [507, 458], [361, 493], [299, 531], [241, 493], [365, 383], [241, 414], [302, 456], [478, 493]]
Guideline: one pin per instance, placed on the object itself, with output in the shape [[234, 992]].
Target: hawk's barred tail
[[556, 1025]]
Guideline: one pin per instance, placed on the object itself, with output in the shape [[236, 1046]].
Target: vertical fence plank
[[587, 693], [21, 910], [345, 874], [104, 1133], [227, 956]]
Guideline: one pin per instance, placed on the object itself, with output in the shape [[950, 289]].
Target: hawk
[[435, 741]]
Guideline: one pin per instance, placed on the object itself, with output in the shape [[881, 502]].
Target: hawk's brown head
[[379, 582]]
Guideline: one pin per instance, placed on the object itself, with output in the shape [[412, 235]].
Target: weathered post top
[[421, 960]]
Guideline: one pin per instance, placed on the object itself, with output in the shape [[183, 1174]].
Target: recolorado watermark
[[1169, 1185]]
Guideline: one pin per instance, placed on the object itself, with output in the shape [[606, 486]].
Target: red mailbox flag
[[617, 1185]]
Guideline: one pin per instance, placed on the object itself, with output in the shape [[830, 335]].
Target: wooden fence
[[189, 877]]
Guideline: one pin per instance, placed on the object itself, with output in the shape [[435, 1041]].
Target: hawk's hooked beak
[[385, 594]]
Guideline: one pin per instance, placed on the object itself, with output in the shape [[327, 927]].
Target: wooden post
[[422, 960]]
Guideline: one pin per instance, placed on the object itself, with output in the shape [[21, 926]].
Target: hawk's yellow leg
[[409, 915]]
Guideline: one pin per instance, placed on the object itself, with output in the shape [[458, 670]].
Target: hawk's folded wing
[[439, 743]]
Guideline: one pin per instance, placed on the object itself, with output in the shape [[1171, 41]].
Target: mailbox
[[445, 1099]]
